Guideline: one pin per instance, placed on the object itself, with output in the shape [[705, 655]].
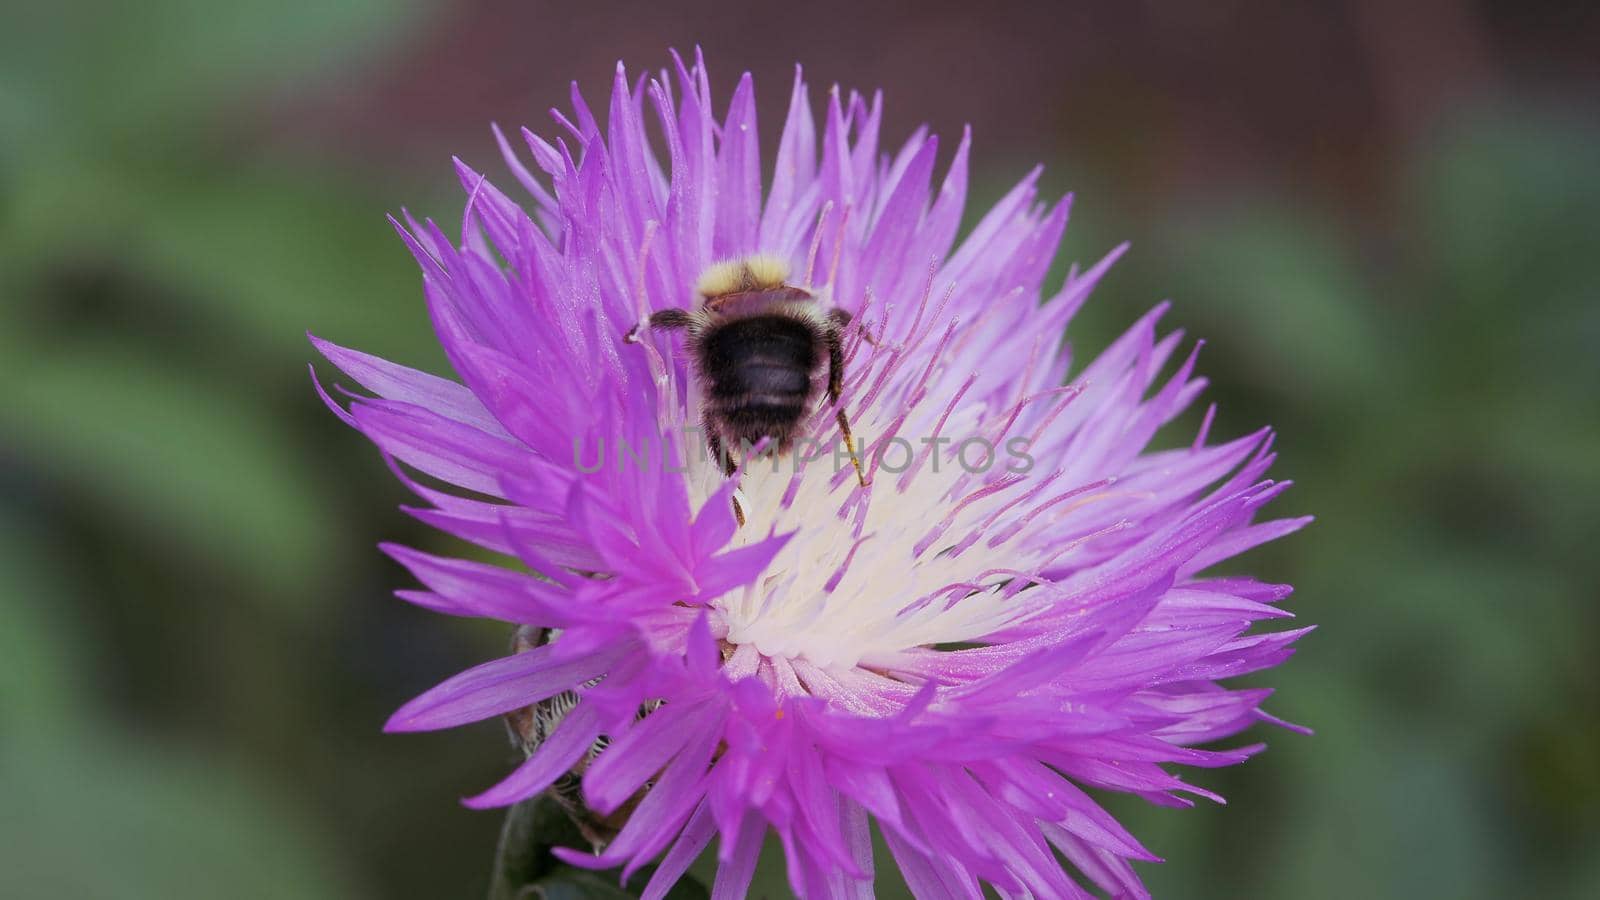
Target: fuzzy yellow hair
[[749, 273]]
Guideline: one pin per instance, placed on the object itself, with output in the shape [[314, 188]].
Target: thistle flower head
[[1010, 610]]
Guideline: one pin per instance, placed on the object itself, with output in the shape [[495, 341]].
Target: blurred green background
[[1381, 216]]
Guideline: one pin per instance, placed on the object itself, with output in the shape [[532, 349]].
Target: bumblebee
[[531, 726], [759, 344]]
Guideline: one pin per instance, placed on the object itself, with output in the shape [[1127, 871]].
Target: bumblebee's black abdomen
[[758, 373], [761, 377]]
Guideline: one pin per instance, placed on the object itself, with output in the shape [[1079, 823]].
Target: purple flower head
[[1010, 611]]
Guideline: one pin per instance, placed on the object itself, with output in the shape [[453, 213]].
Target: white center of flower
[[920, 557]]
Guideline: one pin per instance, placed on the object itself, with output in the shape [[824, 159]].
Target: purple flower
[[955, 651]]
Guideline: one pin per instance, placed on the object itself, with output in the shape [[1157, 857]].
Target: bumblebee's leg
[[665, 318], [714, 442], [836, 384], [841, 318]]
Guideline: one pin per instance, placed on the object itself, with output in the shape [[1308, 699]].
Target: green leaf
[[134, 67], [180, 462], [1284, 297], [43, 682], [102, 817], [1507, 200], [255, 257]]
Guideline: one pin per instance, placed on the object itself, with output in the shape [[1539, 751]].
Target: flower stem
[[523, 855]]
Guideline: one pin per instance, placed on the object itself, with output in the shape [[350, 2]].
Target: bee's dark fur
[[758, 375], [759, 346]]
